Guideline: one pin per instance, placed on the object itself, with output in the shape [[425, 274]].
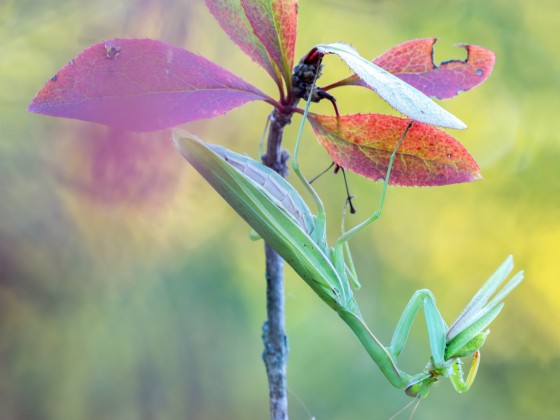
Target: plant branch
[[275, 340], [275, 353]]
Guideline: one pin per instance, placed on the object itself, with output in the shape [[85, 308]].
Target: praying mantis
[[280, 216], [175, 86], [276, 211]]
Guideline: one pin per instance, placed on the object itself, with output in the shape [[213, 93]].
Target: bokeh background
[[129, 290]]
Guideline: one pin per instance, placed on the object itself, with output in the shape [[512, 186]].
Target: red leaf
[[363, 144], [141, 85], [231, 17], [274, 22], [412, 61]]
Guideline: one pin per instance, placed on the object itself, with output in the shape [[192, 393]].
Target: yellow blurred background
[[130, 290]]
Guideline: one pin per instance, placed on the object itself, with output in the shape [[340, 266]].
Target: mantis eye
[[420, 385]]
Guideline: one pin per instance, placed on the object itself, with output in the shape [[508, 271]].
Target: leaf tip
[[461, 125], [476, 176], [181, 138], [35, 105], [31, 107], [448, 120]]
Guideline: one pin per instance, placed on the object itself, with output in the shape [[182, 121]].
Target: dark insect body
[[304, 76]]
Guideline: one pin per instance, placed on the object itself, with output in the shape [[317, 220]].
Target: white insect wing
[[277, 187], [399, 94]]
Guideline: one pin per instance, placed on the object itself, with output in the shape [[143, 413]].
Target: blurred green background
[[129, 290]]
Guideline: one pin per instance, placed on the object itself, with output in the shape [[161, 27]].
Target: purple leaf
[[142, 85]]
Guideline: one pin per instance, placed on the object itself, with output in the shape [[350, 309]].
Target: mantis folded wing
[[274, 209]]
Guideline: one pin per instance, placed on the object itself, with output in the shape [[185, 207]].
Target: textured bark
[[275, 353]]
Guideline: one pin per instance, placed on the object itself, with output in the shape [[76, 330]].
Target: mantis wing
[[265, 214], [400, 95]]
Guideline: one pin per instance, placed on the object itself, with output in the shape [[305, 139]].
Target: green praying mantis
[[279, 215], [275, 210]]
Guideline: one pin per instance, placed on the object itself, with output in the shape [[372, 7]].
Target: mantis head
[[463, 338]]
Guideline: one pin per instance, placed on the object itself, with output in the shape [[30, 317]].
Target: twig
[[275, 340]]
